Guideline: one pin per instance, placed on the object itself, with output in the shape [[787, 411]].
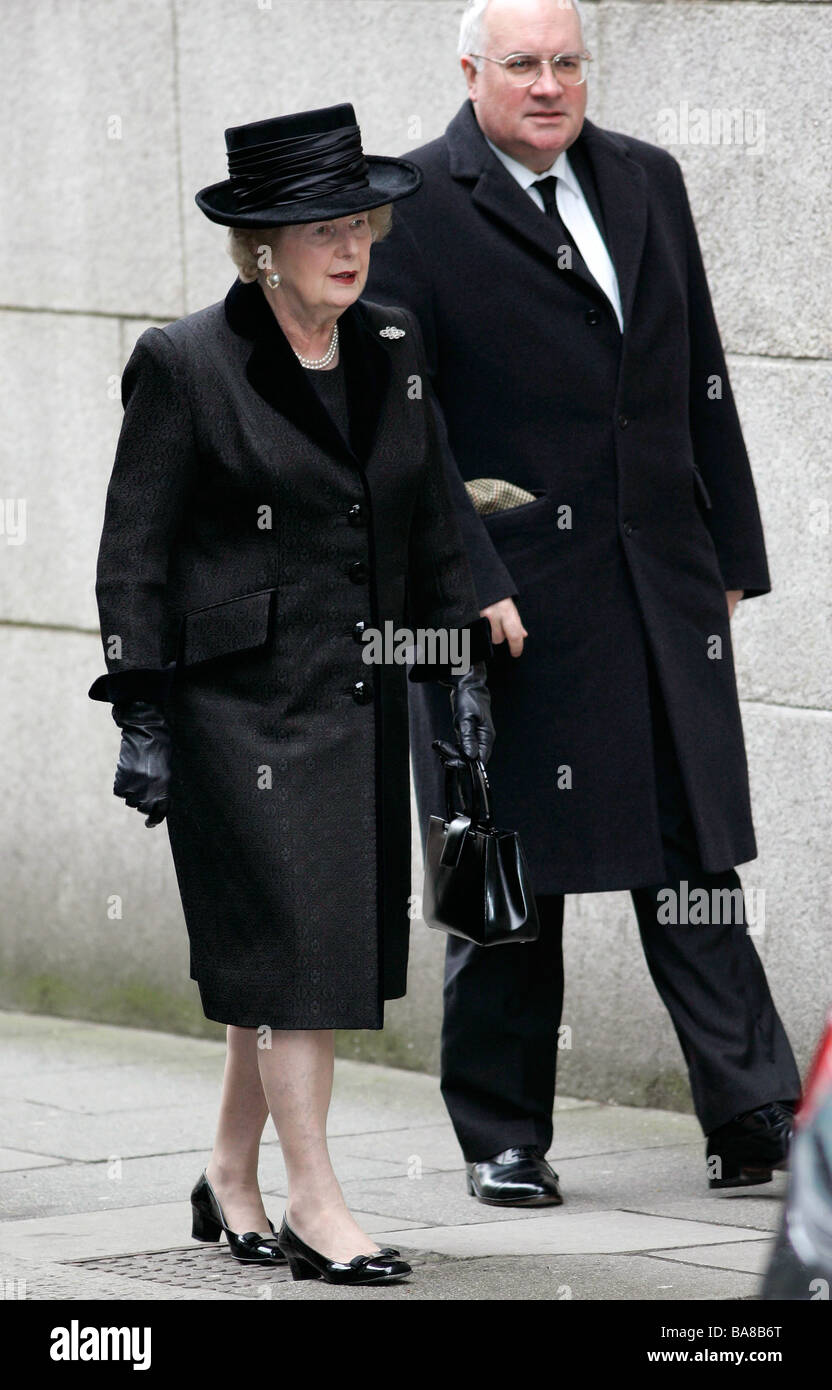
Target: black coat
[[244, 538], [645, 509]]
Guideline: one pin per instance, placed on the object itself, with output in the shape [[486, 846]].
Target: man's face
[[533, 124]]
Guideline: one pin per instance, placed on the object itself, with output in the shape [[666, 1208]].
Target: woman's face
[[324, 265]]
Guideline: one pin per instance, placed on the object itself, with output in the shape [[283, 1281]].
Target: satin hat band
[[303, 168]]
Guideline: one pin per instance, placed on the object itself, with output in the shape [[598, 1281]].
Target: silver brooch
[[391, 332]]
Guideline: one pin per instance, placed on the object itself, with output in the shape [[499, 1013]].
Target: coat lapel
[[622, 189], [276, 375], [367, 370]]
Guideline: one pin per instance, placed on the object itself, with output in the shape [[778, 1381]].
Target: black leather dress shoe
[[383, 1267], [518, 1177], [208, 1222], [745, 1151]]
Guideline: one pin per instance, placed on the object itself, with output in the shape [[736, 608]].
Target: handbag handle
[[454, 760]]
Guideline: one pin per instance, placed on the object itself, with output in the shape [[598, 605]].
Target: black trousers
[[503, 1004]]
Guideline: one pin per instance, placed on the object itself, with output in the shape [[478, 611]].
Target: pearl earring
[[273, 280]]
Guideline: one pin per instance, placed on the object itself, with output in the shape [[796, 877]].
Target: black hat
[[306, 167]]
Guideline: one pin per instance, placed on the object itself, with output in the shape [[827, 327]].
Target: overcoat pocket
[[517, 527], [233, 625], [700, 488]]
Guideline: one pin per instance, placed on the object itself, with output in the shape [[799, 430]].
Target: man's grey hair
[[472, 25]]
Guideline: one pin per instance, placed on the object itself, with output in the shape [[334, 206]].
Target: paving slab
[[667, 1181], [606, 1130], [12, 1160], [134, 1182], [578, 1233], [438, 1198], [750, 1256], [75, 1134], [31, 1042], [751, 1213], [614, 1128], [428, 1147], [101, 1089], [91, 1234]]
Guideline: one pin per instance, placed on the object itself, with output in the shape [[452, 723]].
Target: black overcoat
[[645, 509], [245, 543]]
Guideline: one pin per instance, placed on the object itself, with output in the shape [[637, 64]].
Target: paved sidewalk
[[104, 1131]]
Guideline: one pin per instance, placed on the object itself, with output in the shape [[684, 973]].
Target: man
[[556, 274]]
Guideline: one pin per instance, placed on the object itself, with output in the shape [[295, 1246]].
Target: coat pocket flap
[[235, 625]]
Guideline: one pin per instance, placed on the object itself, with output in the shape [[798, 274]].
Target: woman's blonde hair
[[246, 245]]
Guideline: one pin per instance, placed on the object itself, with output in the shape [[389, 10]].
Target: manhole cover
[[202, 1268], [206, 1268]]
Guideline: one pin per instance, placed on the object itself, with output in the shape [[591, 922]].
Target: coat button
[[362, 692], [593, 316], [358, 631], [629, 528], [623, 421], [355, 515], [358, 572]]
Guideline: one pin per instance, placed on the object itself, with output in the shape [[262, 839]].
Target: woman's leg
[[297, 1072], [232, 1167]]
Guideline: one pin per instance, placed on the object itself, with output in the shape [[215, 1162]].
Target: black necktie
[[548, 191]]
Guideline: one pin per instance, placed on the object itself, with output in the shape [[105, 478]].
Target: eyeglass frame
[[586, 57]]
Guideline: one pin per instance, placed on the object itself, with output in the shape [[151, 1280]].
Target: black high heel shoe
[[208, 1223], [306, 1263]]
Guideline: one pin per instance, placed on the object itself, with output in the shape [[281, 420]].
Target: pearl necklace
[[316, 364]]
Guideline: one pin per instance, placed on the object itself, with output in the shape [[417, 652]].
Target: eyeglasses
[[524, 69]]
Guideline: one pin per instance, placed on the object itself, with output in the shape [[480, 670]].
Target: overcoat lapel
[[501, 196], [622, 189], [276, 375]]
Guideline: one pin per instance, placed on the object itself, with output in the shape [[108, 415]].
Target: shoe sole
[[518, 1201], [746, 1178], [358, 1283], [244, 1260], [310, 1274]]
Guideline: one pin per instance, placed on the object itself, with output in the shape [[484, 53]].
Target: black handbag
[[476, 877]]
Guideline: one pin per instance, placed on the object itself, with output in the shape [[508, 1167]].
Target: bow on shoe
[[359, 1260]]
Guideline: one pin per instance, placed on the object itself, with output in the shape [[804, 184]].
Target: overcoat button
[[623, 421], [358, 631], [359, 572], [362, 692], [593, 316], [629, 528], [355, 515]]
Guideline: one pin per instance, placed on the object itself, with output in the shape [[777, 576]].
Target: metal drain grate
[[209, 1268], [206, 1268]]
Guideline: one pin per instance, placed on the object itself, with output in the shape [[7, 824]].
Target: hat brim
[[389, 180]]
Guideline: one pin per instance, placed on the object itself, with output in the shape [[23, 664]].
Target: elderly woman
[[278, 494]]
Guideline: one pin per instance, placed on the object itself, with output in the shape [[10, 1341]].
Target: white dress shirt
[[577, 219]]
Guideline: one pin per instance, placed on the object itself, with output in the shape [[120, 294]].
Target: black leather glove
[[143, 772], [471, 706]]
